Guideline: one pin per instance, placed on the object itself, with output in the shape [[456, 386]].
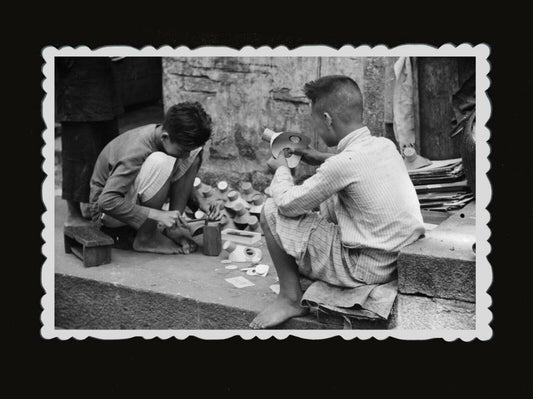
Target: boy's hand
[[275, 163], [211, 210], [167, 218], [311, 156]]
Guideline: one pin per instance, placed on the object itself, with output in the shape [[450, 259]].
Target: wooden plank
[[437, 82], [77, 250], [416, 104], [88, 236], [96, 256]]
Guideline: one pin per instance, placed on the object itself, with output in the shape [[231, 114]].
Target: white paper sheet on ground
[[231, 267], [225, 261], [239, 282], [275, 288]]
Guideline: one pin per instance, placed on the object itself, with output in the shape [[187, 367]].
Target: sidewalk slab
[[150, 291], [414, 312]]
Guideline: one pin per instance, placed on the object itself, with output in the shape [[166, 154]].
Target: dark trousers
[[81, 144]]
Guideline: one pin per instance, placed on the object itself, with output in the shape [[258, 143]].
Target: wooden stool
[[89, 244]]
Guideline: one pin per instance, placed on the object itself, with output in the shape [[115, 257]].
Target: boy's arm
[[311, 156], [330, 178], [113, 202]]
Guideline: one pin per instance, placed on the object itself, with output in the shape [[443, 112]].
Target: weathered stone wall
[[246, 95]]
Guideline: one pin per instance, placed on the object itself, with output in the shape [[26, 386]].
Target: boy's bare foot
[[281, 310], [156, 243], [188, 246], [182, 237], [74, 220]]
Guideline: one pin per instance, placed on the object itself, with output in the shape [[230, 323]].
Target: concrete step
[[437, 277], [148, 291]]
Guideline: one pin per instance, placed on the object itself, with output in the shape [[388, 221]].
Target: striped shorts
[[314, 241]]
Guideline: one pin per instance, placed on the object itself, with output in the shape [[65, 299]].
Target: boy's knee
[[155, 172], [159, 159]]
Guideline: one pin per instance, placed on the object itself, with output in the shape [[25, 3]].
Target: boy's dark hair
[[340, 92], [326, 85], [188, 124]]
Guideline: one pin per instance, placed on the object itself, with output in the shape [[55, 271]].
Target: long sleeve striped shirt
[[374, 201]]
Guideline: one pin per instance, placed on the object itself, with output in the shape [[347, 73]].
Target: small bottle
[[241, 216], [223, 190], [257, 205], [248, 191], [253, 223]]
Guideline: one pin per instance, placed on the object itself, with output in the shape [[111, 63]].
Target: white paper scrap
[[275, 288], [225, 261], [240, 282], [231, 267]]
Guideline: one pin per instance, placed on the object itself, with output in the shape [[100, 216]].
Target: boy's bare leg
[[149, 238], [74, 215], [180, 192], [287, 303]]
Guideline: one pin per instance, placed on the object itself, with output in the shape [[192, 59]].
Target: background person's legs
[[81, 144]]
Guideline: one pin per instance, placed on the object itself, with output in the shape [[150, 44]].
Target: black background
[[500, 366]]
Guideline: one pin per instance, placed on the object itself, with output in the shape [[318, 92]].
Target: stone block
[[437, 277], [413, 312], [442, 264]]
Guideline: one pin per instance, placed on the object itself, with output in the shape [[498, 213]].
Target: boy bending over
[[368, 206], [139, 170]]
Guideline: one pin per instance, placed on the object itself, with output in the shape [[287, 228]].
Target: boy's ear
[[327, 118], [165, 135]]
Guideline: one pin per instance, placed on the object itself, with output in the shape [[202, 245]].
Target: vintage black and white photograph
[[315, 192]]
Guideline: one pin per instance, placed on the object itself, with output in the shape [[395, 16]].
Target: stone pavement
[[436, 277], [150, 291]]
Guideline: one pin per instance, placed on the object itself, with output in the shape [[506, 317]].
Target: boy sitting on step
[[369, 209]]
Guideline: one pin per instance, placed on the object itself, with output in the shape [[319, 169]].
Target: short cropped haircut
[[188, 124], [338, 94]]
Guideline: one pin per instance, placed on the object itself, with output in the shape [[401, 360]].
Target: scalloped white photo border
[[481, 52]]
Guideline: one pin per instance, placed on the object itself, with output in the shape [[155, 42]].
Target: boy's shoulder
[[132, 141], [144, 129], [369, 149]]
